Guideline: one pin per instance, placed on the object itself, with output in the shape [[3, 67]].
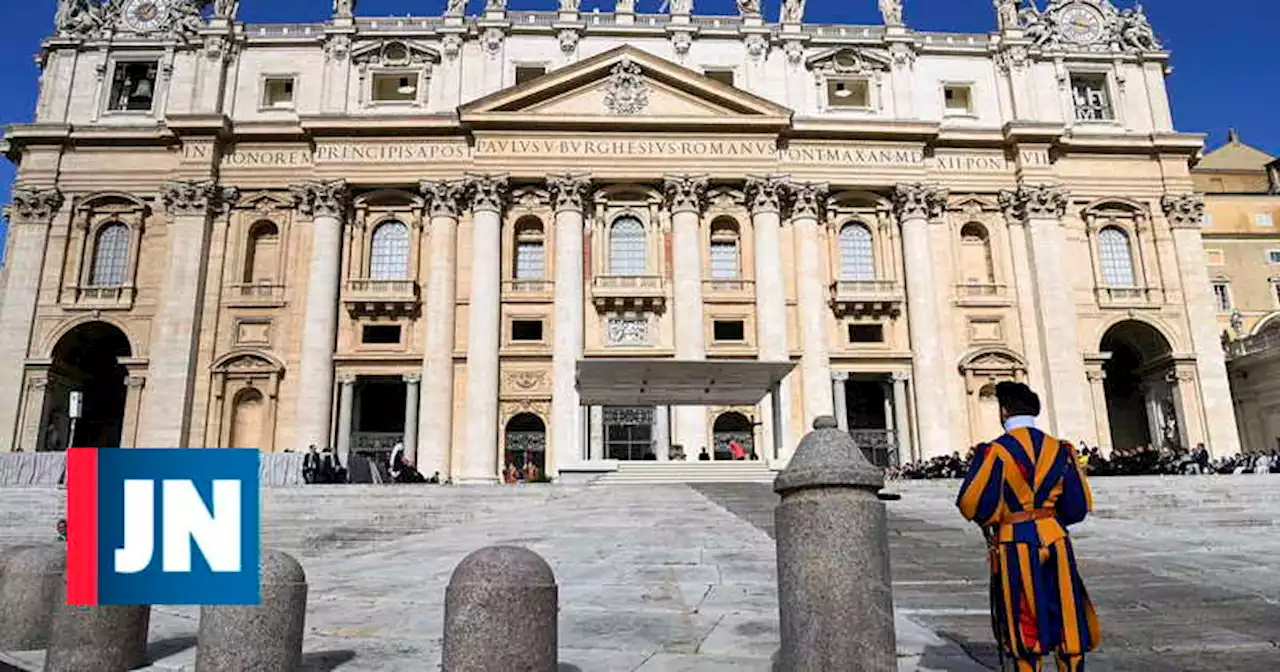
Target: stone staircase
[[647, 473]]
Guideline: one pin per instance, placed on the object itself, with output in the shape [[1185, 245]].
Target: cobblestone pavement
[[1185, 571]]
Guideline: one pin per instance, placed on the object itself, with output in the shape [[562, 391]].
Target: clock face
[[1080, 24], [145, 16]]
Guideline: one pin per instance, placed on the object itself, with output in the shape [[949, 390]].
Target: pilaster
[[568, 195], [807, 202], [686, 198], [434, 450], [765, 195]]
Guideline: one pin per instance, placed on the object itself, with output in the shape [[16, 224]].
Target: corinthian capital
[[35, 205], [1034, 202], [686, 193], [918, 200], [322, 199], [568, 192], [1184, 211], [488, 192], [189, 197], [766, 193], [808, 199], [445, 198]]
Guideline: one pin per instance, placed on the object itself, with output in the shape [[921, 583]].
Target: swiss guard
[[1024, 489]]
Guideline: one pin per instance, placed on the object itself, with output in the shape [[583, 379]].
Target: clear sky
[[1225, 72]]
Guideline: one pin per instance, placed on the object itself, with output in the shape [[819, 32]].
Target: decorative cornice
[[488, 192], [1184, 211], [322, 199], [445, 198], [37, 206], [765, 194], [189, 198], [686, 193], [807, 199], [568, 192], [918, 200]]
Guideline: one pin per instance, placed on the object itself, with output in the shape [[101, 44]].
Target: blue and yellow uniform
[[1026, 487]]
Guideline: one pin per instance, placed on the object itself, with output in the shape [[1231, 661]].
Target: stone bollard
[[30, 577], [265, 637], [101, 638], [500, 613], [834, 596]]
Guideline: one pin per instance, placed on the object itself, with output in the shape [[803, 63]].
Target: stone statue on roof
[[455, 8], [625, 7], [495, 6], [749, 7], [78, 18], [1135, 30], [569, 5], [344, 8], [793, 11], [1007, 14], [891, 10], [682, 7]]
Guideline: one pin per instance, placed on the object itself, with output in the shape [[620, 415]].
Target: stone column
[[1042, 208], [662, 432], [433, 451], [132, 409], [30, 217], [346, 399], [1101, 419], [1184, 213], [166, 409], [488, 200], [811, 280], [1024, 291], [686, 197], [411, 382], [764, 198], [595, 438], [326, 204], [839, 380], [901, 418], [568, 194], [915, 205]]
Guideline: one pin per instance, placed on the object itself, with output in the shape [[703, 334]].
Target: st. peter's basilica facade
[[374, 230]]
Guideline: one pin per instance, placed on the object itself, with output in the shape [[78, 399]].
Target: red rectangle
[[82, 526]]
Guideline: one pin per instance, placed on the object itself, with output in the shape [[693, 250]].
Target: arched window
[[262, 253], [110, 256], [531, 256], [726, 257], [857, 260], [628, 251], [1115, 257], [976, 265], [389, 252]]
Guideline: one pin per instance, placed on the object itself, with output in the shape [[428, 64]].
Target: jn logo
[[162, 526]]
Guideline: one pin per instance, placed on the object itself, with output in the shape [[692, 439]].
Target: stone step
[[652, 473]]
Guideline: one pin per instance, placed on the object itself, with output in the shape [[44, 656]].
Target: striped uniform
[[1027, 487]]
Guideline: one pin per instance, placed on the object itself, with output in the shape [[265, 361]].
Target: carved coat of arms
[[627, 93]]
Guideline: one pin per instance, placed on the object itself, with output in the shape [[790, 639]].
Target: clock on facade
[[1080, 23], [145, 16]]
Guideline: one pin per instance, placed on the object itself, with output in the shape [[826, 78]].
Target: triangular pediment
[[624, 87]]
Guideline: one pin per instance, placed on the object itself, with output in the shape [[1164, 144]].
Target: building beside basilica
[[426, 229]]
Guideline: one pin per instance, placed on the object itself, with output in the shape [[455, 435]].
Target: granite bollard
[[29, 581], [500, 613], [104, 638], [835, 599], [265, 637]]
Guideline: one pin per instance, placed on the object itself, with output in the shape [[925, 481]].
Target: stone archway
[[248, 419], [525, 442], [982, 369], [733, 426], [87, 360], [1140, 387]]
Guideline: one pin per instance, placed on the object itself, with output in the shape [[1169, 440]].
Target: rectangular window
[[395, 87], [530, 261], [1273, 256], [277, 93], [848, 93], [1090, 97], [1222, 297], [957, 99], [724, 260], [723, 76], [133, 86], [866, 333], [373, 334], [729, 330], [1264, 220], [526, 330], [525, 73], [1213, 257]]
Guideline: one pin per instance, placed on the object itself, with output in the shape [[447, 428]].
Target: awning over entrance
[[672, 382]]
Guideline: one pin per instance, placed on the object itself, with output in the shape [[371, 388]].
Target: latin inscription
[[406, 152], [854, 156], [637, 148], [251, 158]]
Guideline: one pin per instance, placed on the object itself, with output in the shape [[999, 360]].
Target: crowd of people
[[1146, 460]]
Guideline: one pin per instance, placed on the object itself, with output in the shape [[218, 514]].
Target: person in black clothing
[[310, 465]]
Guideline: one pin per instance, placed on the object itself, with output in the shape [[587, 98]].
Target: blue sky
[[1223, 53]]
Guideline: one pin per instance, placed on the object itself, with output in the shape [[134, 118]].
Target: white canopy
[[673, 382]]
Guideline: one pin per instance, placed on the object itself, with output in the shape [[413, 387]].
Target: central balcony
[[100, 297], [254, 294], [619, 293], [381, 297], [980, 294], [528, 291], [867, 297], [1129, 297], [733, 291]]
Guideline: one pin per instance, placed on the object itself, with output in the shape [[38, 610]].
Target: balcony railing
[[102, 297], [255, 293], [368, 296], [1267, 340], [528, 290], [867, 297], [620, 292], [981, 293], [1129, 296], [728, 289]]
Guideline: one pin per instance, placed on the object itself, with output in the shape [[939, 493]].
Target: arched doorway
[[988, 420], [247, 419], [525, 443], [86, 360], [1140, 400], [733, 426]]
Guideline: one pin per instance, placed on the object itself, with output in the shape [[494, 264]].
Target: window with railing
[[110, 256], [1222, 297], [726, 258], [1090, 97], [531, 259], [857, 257], [628, 247], [389, 252], [1115, 257]]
